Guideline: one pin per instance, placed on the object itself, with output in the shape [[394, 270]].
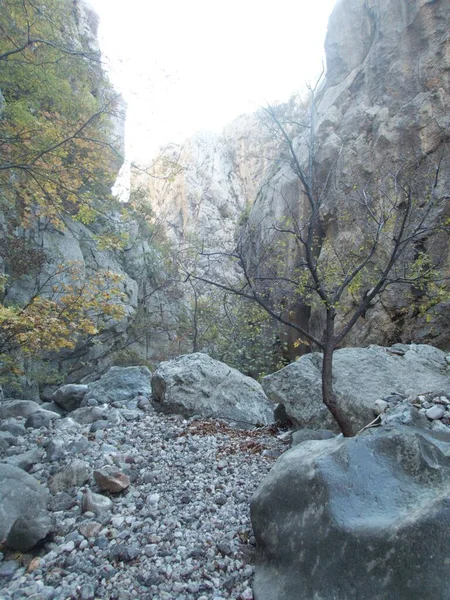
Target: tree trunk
[[328, 395]]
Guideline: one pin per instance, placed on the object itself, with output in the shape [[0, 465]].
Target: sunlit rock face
[[385, 100], [199, 190], [194, 190]]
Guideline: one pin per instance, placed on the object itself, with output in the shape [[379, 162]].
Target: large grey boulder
[[24, 519], [356, 518], [18, 408], [119, 385], [196, 384], [69, 396], [360, 377], [41, 418]]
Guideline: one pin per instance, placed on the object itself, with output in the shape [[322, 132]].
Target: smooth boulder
[[196, 384], [18, 408], [361, 376], [24, 519], [364, 517], [119, 385], [70, 396]]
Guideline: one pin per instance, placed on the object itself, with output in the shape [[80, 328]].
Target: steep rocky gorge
[[384, 99], [382, 105]]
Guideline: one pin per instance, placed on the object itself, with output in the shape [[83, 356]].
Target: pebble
[[380, 406], [435, 412], [179, 531]]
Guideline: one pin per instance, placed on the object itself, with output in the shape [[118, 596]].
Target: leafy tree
[[56, 132], [65, 306], [290, 265], [58, 160]]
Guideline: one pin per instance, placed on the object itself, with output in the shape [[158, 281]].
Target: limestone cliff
[[43, 234], [385, 99]]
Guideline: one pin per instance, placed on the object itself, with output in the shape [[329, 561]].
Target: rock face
[[385, 100], [119, 385], [24, 520], [365, 517], [361, 377], [196, 384]]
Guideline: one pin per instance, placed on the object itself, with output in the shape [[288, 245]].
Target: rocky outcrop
[[384, 102], [195, 190], [355, 518], [196, 384], [361, 376]]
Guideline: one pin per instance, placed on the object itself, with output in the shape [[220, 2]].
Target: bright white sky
[[188, 65]]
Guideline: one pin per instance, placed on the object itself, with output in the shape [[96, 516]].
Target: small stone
[[220, 499], [95, 503], [123, 552], [8, 569], [153, 499], [439, 426], [224, 548], [222, 464], [111, 480], [41, 418], [68, 547], [61, 501], [435, 412], [380, 406], [73, 475], [86, 591], [56, 449], [34, 564], [117, 521], [247, 594]]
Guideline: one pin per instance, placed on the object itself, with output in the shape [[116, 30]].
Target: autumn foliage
[[58, 160]]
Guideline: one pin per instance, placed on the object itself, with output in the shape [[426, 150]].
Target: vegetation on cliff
[[59, 158]]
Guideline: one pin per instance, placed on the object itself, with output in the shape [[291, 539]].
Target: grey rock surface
[[24, 520], [306, 435], [355, 518], [18, 408], [360, 376], [88, 414], [41, 418], [120, 385], [74, 475], [196, 384], [69, 396], [24, 461]]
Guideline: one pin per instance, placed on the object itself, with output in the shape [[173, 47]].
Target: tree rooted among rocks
[[400, 238]]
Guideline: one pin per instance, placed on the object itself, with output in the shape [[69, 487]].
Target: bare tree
[[398, 218]]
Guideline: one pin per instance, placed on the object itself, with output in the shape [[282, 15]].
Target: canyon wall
[[384, 103]]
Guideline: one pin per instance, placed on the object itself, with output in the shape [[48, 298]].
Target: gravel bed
[[181, 530]]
